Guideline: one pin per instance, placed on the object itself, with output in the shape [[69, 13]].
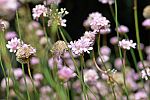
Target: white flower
[[13, 44], [90, 76], [110, 2], [145, 73], [38, 11], [81, 46], [126, 44]]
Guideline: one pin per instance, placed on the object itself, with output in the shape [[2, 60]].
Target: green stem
[[98, 44], [31, 78], [137, 32], [114, 93], [17, 18], [124, 75], [25, 82]]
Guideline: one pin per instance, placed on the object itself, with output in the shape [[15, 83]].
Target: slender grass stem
[[114, 93], [25, 82], [124, 75], [18, 24]]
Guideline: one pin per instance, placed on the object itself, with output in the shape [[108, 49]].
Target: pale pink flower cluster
[[65, 73], [110, 2], [123, 29], [90, 76], [13, 44], [10, 35], [39, 10], [98, 23], [127, 44], [145, 73], [81, 46]]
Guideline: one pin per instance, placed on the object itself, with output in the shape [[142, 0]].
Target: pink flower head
[[147, 50], [39, 32], [65, 73], [81, 46], [123, 29], [146, 23], [34, 61], [39, 10], [140, 65], [18, 73], [3, 82], [114, 40], [90, 76], [126, 44], [38, 77], [118, 63], [105, 50], [141, 95], [10, 35], [145, 73], [13, 44], [53, 61]]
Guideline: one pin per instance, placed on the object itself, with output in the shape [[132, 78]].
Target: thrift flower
[[65, 73], [18, 73], [3, 82], [104, 50], [81, 46], [13, 44], [126, 44], [10, 35], [90, 76], [146, 23], [146, 12], [122, 29], [39, 10]]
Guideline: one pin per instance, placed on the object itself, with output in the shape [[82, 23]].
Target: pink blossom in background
[[34, 61], [18, 73], [104, 50], [10, 35], [39, 32], [65, 73], [127, 44], [38, 77], [123, 29], [141, 95], [114, 40], [118, 63], [3, 82], [146, 23], [147, 50]]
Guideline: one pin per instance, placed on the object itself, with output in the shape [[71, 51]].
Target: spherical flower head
[[104, 50], [90, 35], [127, 44], [140, 65], [39, 10], [110, 2], [10, 35], [23, 84], [146, 23], [24, 53], [90, 76], [65, 73], [141, 95], [59, 48], [45, 90], [38, 77], [100, 24], [3, 82], [33, 25], [13, 44], [39, 32], [81, 46], [90, 18], [122, 29], [146, 12], [147, 50], [145, 73], [18, 73], [118, 63], [114, 40], [101, 59], [34, 61]]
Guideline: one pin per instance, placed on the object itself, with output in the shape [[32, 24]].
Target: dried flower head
[[146, 12], [59, 48], [126, 44], [24, 53]]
